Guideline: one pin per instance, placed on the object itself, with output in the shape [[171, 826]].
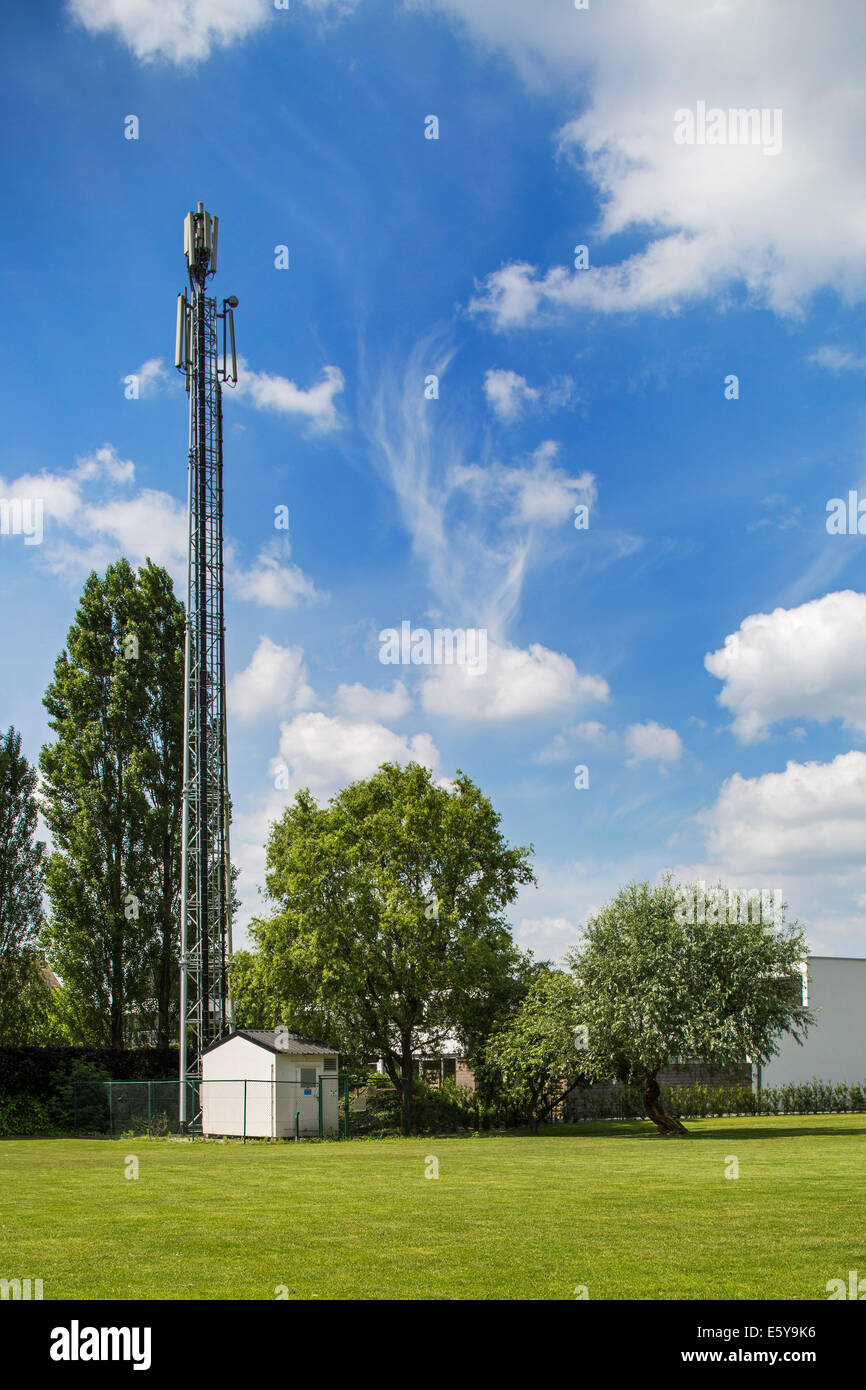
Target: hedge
[[34, 1071], [813, 1097]]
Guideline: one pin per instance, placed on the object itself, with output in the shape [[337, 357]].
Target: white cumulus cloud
[[275, 682], [651, 742], [807, 662], [104, 462], [508, 393], [547, 937], [809, 818], [315, 404], [360, 702], [273, 581], [325, 752], [802, 831], [711, 217], [184, 31], [152, 523], [153, 376], [90, 520], [517, 684]]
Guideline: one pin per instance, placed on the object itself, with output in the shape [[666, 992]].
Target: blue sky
[[707, 569]]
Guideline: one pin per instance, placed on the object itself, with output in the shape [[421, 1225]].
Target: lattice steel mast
[[206, 883]]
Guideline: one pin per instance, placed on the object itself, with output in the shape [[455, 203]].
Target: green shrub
[[22, 1115], [444, 1109], [79, 1099]]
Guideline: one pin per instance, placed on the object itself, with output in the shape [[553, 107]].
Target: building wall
[[223, 1072], [464, 1076], [292, 1097], [835, 1048]]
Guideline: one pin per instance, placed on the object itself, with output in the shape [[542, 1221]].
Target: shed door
[[308, 1099]]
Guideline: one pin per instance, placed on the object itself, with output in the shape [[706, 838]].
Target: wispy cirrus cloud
[[837, 359], [476, 527]]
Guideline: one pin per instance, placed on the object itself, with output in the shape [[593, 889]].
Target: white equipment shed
[[269, 1084]]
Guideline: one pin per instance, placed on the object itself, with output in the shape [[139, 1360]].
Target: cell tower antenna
[[206, 877]]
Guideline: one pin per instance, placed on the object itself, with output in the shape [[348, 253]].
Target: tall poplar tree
[[161, 655], [22, 875], [112, 791]]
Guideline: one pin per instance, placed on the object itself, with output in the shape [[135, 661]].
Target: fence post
[[245, 1110], [75, 1106], [346, 1120], [111, 1108], [321, 1122], [297, 1129], [149, 1106]]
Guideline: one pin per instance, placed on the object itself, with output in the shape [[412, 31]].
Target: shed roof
[[295, 1044]]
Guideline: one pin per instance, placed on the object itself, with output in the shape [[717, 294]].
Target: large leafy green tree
[[389, 933], [653, 987], [23, 988], [112, 793], [536, 1052]]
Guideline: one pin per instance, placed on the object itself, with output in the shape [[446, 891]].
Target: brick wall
[[465, 1076]]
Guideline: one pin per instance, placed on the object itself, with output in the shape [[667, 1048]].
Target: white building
[[263, 1083], [835, 1048]]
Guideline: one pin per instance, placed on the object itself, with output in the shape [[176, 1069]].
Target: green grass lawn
[[609, 1206]]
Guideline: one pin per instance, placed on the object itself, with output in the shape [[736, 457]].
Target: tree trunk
[[408, 1078], [532, 1110], [400, 1083], [666, 1124]]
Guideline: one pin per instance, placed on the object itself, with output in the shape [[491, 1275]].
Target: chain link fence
[[237, 1108]]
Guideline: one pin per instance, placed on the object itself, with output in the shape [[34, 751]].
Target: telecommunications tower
[[206, 879]]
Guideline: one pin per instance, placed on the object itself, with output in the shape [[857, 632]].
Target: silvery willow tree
[[654, 987], [389, 934]]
